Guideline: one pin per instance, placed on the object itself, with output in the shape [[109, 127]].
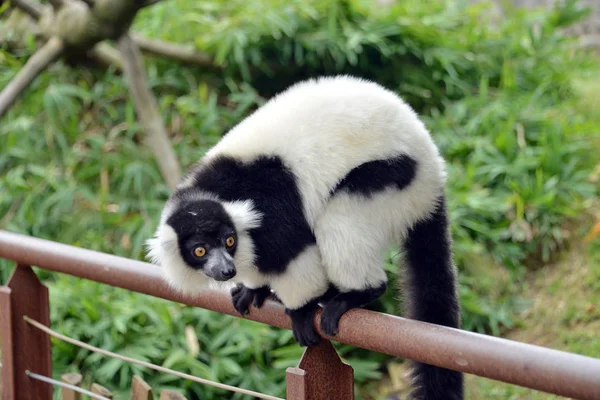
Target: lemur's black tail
[[430, 295]]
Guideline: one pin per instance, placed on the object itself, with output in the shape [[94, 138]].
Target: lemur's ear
[[243, 214]]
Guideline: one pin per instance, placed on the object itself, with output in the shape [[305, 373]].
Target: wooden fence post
[[102, 391], [171, 395], [23, 346], [320, 375], [140, 390], [72, 379]]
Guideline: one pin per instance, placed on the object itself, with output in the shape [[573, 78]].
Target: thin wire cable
[[65, 385], [147, 364]]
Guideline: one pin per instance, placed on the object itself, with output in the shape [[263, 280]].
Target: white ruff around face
[[163, 249]]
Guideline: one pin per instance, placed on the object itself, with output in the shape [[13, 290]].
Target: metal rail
[[536, 367]]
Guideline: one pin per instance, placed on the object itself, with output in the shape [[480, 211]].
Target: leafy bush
[[496, 94], [226, 349]]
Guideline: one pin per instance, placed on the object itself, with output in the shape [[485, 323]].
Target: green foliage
[[527, 160], [497, 95], [232, 350], [565, 315], [217, 347]]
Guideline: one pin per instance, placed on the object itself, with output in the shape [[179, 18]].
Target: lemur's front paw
[[260, 295], [330, 317], [242, 297], [302, 324]]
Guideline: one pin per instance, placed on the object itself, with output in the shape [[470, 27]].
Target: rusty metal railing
[[544, 369]]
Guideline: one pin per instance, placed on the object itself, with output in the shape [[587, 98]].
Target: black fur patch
[[434, 383], [284, 231], [430, 274], [375, 176], [302, 323], [431, 295], [203, 215], [202, 223], [336, 306], [243, 296]]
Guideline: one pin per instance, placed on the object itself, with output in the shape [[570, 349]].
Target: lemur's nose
[[230, 273]]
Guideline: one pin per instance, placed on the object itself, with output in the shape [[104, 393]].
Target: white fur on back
[[303, 280], [323, 128]]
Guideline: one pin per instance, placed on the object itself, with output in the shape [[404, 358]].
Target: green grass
[[565, 316]]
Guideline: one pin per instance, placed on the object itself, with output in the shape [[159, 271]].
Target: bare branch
[[107, 55], [33, 9], [147, 110], [177, 52], [34, 66]]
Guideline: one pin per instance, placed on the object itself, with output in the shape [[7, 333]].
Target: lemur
[[303, 197]]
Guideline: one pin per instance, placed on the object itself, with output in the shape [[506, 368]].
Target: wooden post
[[140, 390], [72, 379], [23, 346], [101, 390], [320, 375], [171, 395]]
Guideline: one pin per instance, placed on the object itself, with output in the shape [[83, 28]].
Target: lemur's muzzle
[[219, 266]]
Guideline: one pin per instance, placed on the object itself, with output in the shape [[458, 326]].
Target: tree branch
[[147, 110], [107, 55], [34, 66], [33, 9], [177, 52]]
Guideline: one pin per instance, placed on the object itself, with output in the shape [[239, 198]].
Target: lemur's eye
[[199, 251], [230, 241]]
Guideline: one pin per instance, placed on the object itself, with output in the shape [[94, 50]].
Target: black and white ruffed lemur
[[303, 197]]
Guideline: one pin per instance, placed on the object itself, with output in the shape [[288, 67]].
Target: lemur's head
[[202, 240]]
